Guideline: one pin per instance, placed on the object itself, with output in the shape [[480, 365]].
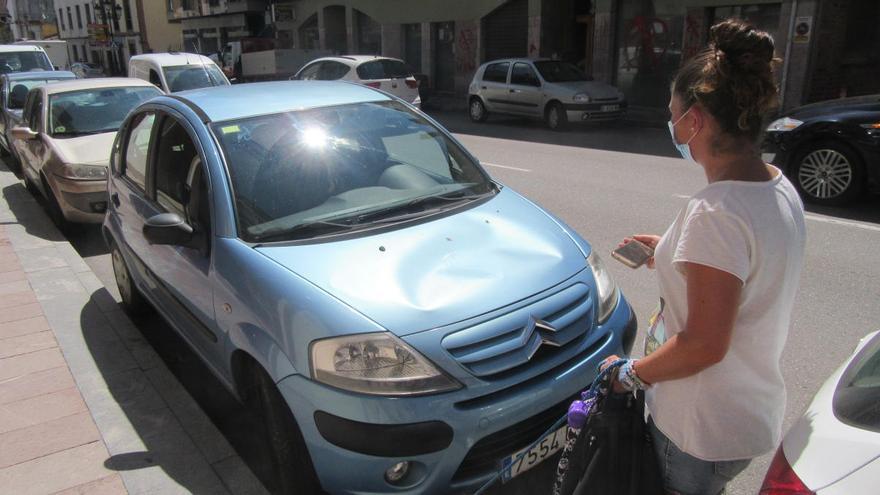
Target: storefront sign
[[98, 34], [803, 27]]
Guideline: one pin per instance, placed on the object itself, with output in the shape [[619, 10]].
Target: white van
[[55, 49], [23, 58], [175, 71]]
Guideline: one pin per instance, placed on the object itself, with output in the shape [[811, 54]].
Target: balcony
[[185, 9]]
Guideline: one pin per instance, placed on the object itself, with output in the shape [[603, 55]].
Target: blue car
[[404, 323]]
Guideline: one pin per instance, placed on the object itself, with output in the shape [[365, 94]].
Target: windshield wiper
[[418, 207], [304, 229]]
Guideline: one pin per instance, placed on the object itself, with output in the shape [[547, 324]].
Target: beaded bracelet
[[629, 379]]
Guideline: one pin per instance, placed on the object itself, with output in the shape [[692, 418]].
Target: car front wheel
[[828, 173], [555, 117], [478, 111], [133, 302]]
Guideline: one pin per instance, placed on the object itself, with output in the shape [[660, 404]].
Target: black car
[[830, 150]]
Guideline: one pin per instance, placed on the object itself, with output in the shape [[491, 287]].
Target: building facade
[[207, 25], [109, 32], [31, 19], [637, 45]]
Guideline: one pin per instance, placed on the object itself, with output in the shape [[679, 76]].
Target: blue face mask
[[683, 148]]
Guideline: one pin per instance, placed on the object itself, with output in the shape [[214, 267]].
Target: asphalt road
[[608, 182]]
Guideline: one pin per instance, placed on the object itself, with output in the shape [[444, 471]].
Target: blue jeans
[[684, 474]]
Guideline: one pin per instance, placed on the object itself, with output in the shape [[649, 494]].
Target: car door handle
[[483, 87], [115, 198]]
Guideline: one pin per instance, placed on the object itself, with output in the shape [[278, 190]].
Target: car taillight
[[782, 480], [412, 83], [376, 84]]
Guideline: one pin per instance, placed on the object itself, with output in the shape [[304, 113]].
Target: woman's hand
[[615, 384], [649, 240]]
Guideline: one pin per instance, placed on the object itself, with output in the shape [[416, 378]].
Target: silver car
[[555, 91]]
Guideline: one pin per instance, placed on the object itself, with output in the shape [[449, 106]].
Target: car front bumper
[[456, 441], [592, 112], [81, 201]]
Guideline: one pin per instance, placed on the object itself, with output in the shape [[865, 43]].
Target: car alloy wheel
[[477, 110], [555, 117], [828, 173], [132, 300]]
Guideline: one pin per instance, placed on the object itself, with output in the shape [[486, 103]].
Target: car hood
[[441, 271], [820, 448], [595, 89], [830, 108], [93, 149]]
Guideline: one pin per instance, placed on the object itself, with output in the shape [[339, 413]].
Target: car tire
[[54, 209], [477, 110], [133, 302], [555, 117], [828, 173], [293, 467], [31, 187]]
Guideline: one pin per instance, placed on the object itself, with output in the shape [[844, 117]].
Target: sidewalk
[[86, 405]]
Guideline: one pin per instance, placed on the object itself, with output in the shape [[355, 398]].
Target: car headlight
[[784, 124], [581, 98], [78, 171], [605, 286], [376, 363]]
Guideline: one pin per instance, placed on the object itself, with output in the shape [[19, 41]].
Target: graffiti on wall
[[466, 50], [693, 33]]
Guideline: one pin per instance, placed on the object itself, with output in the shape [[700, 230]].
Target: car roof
[[173, 58], [20, 48], [521, 59], [39, 74], [95, 83], [357, 59], [239, 101]]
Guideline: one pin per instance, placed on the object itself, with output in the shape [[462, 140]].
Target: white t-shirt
[[755, 231]]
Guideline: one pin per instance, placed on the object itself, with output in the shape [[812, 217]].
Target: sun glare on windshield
[[314, 137]]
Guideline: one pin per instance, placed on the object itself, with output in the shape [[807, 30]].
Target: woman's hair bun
[[741, 45]]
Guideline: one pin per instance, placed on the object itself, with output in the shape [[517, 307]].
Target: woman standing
[[728, 269]]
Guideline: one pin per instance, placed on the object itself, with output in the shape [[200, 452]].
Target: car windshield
[[857, 397], [183, 77], [93, 111], [383, 69], [17, 94], [23, 61], [308, 173], [555, 71]]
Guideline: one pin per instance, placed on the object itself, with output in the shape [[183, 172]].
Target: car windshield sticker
[[228, 129], [60, 128], [656, 329]]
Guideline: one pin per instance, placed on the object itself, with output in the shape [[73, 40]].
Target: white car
[[388, 74], [834, 448]]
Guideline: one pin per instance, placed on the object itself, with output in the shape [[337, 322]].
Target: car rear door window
[[383, 69], [496, 72], [331, 71], [523, 75], [137, 148]]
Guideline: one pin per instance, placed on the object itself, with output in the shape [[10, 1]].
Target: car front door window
[[136, 150]]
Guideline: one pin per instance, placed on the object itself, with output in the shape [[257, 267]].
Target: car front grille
[[508, 343], [486, 455]]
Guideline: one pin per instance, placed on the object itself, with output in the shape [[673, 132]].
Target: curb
[[158, 438]]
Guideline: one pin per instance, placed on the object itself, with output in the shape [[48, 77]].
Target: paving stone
[[14, 287], [22, 327], [12, 276], [52, 283], [9, 265], [47, 438], [21, 312], [34, 384], [238, 478], [36, 410], [58, 471], [30, 363], [17, 298], [111, 485], [24, 344]]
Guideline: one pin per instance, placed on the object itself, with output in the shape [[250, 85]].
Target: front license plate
[[610, 108], [544, 449]]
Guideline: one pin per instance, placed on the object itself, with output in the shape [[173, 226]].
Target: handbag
[[613, 453]]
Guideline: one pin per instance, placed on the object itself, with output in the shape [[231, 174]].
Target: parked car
[[834, 448], [64, 142], [176, 71], [23, 58], [555, 91], [388, 74], [831, 150], [404, 322], [84, 70], [14, 89]]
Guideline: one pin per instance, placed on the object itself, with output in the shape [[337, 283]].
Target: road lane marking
[[505, 166], [819, 218]]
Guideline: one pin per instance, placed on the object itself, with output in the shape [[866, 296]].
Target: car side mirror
[[169, 229], [24, 133]]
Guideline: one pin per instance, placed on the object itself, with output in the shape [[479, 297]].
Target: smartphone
[[633, 254]]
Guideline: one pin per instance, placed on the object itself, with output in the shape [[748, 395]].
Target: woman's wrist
[[628, 377]]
